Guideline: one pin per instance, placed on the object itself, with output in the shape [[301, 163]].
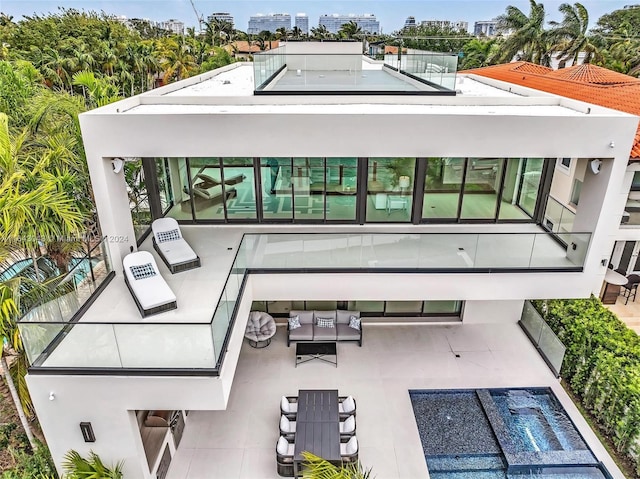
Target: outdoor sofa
[[172, 247], [150, 291], [336, 325]]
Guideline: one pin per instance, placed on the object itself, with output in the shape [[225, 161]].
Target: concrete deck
[[239, 443]]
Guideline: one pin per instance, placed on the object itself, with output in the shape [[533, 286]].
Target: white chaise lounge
[[150, 291], [171, 246]]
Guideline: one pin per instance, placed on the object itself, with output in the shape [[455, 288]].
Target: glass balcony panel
[[448, 251], [532, 322], [36, 337], [491, 252], [85, 345], [552, 347], [171, 346]]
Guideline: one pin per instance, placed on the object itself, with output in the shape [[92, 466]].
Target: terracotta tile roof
[[586, 83]]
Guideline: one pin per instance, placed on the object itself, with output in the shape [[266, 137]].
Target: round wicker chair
[[260, 329]]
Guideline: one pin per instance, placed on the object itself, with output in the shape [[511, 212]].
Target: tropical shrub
[[601, 366], [28, 463], [77, 467]]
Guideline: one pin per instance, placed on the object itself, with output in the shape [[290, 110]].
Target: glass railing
[[418, 252], [348, 72], [64, 298], [433, 67], [51, 341], [266, 64], [557, 217], [543, 338]]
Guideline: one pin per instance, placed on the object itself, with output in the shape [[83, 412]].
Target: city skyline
[[391, 15]]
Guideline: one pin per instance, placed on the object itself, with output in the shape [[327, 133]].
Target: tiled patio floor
[[628, 313], [240, 442]]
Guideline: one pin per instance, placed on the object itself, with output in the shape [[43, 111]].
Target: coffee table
[[308, 351]]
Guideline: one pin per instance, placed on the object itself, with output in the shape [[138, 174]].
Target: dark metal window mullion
[[420, 174], [362, 185], [462, 183], [257, 184], [190, 184], [505, 163]]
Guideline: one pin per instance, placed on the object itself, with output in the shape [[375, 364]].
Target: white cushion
[[283, 446], [150, 292], [350, 447], [348, 405], [284, 404], [177, 251], [286, 425], [348, 425]]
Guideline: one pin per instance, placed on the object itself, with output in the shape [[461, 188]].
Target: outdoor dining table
[[317, 426]]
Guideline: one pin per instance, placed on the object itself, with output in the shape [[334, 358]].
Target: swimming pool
[[500, 434]]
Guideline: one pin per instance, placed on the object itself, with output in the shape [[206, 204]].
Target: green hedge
[[601, 366]]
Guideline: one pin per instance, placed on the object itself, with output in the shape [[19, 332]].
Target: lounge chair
[[171, 246], [149, 289]]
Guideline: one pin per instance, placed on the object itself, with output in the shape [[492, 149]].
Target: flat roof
[[239, 81], [356, 109]]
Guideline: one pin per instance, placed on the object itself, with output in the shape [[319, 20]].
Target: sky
[[390, 13]]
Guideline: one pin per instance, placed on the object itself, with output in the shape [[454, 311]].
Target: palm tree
[[349, 30], [571, 37], [317, 468], [320, 32], [9, 330], [529, 40], [296, 32], [478, 53], [177, 60], [218, 29], [281, 33], [78, 467], [625, 50]]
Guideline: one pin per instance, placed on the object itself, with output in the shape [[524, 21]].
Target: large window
[[329, 190], [481, 189], [390, 189], [430, 309]]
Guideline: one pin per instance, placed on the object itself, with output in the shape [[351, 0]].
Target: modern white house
[[315, 178]]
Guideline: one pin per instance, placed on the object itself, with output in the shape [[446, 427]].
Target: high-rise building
[[445, 24], [173, 25], [410, 22], [367, 22], [487, 28], [221, 16], [270, 22], [302, 22]]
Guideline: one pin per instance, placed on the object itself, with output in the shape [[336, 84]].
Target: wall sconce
[[87, 432], [612, 144], [117, 164], [595, 166], [51, 396]]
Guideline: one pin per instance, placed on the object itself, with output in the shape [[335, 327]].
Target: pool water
[[501, 434]]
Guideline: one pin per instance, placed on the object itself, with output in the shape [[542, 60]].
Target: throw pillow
[[325, 323], [143, 271], [172, 235], [354, 323], [294, 322]]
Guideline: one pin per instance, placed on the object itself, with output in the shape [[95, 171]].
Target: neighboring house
[[599, 86], [243, 49], [311, 176]]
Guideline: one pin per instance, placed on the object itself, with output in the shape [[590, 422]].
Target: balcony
[[282, 71], [69, 335]]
